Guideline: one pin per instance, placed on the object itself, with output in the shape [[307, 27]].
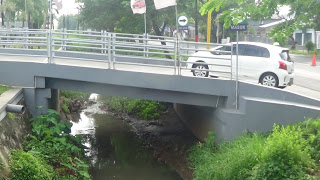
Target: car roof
[[269, 46]]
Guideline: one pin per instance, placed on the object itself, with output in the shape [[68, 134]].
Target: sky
[[69, 7]]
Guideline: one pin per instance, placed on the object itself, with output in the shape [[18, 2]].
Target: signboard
[[241, 26], [238, 27], [183, 23]]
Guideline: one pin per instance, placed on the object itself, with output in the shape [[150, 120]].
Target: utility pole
[[26, 25], [196, 22], [209, 29]]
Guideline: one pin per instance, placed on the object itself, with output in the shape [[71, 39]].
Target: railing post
[[25, 35], [52, 45], [103, 41], [146, 49], [114, 36], [175, 55], [180, 57], [109, 49], [64, 48], [231, 62], [49, 46]]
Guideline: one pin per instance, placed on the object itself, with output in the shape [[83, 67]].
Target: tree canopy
[[115, 15], [35, 11], [302, 13]]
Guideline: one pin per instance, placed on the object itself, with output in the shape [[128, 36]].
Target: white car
[[258, 62]]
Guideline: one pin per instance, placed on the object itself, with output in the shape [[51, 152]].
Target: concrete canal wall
[[13, 128]]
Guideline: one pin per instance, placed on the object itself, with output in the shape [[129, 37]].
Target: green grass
[[290, 152], [4, 89], [303, 52], [230, 160]]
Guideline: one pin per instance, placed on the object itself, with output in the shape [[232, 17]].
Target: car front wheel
[[269, 79], [201, 70]]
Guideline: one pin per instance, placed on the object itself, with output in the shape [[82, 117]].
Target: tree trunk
[[7, 19], [2, 15], [293, 47], [160, 33]]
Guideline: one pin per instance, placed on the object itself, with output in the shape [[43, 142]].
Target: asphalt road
[[307, 77]]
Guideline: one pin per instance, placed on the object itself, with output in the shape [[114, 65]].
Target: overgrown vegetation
[[4, 89], [50, 152], [74, 95], [68, 96], [291, 152], [25, 165], [142, 108]]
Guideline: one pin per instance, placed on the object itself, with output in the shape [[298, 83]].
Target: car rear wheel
[[269, 79], [202, 70]]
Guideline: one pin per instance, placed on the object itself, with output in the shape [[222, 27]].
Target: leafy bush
[[142, 108], [284, 156], [228, 160], [310, 46], [68, 96], [311, 132], [51, 141], [25, 165], [65, 109]]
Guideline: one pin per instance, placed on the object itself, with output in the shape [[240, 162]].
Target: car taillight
[[282, 65]]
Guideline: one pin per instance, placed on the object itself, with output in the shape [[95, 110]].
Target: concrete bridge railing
[[112, 48]]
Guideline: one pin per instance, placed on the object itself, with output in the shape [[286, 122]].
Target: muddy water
[[114, 151]]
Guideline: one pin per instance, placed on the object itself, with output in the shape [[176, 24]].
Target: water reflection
[[115, 152]]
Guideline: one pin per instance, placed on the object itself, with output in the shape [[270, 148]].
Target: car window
[[252, 50], [285, 55], [242, 50], [264, 52], [257, 51], [223, 48]]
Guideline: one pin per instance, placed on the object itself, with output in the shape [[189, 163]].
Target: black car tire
[[202, 70], [269, 79]]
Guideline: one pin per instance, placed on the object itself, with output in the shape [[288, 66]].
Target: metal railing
[[119, 49]]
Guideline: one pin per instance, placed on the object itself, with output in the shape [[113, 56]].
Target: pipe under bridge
[[204, 103]]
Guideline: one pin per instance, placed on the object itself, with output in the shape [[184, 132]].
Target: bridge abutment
[[37, 100]]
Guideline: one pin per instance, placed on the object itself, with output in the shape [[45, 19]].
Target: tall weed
[[228, 160], [284, 156]]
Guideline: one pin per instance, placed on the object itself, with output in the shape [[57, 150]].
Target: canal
[[114, 151]]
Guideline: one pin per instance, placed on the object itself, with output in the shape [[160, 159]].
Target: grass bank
[[305, 52], [291, 152], [4, 89]]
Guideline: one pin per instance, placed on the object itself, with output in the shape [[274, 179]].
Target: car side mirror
[[215, 53]]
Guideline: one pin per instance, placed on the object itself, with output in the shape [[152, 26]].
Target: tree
[[301, 13], [36, 11], [117, 16], [8, 7], [69, 22]]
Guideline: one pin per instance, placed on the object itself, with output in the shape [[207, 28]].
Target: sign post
[[241, 26]]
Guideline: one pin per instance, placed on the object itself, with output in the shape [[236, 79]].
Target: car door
[[241, 53], [253, 62], [222, 61]]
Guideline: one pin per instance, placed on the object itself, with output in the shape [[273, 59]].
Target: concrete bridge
[[137, 67]]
